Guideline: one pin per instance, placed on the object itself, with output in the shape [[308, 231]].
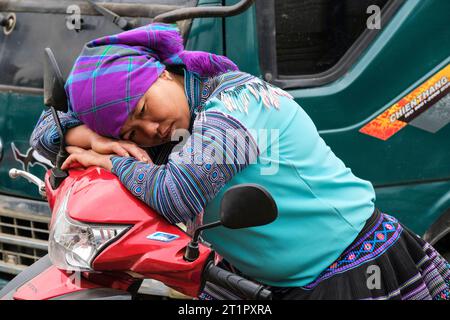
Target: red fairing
[[53, 283], [98, 197]]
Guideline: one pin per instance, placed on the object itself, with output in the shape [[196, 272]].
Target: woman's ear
[[166, 75]]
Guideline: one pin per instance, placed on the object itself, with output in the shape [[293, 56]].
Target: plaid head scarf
[[112, 73]]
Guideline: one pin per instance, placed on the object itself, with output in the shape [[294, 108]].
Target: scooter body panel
[[98, 197], [53, 283]]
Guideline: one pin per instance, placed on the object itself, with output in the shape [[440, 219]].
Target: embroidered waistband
[[379, 233]]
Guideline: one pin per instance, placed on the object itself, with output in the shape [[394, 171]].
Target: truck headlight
[[73, 245]]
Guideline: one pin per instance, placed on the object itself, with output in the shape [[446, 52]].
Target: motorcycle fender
[[53, 283]]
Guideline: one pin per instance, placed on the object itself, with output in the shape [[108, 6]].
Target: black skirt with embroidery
[[385, 261]]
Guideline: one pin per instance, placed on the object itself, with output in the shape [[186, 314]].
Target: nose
[[163, 131], [160, 131], [151, 129]]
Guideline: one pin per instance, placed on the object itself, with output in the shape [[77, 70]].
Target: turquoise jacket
[[322, 205]]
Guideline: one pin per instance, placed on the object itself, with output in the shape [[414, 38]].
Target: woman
[[141, 89]]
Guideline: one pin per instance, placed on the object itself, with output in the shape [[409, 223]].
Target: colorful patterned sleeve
[[219, 147], [45, 138]]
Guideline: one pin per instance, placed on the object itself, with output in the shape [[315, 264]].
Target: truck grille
[[23, 233], [28, 229], [24, 228]]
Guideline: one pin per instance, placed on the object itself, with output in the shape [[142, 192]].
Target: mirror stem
[[62, 154], [203, 227], [192, 251], [57, 176]]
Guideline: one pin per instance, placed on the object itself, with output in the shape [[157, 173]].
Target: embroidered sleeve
[[45, 138], [219, 147]]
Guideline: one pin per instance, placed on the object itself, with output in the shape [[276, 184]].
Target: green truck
[[372, 74]]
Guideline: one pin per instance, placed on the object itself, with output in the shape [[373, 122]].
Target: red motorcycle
[[104, 242]]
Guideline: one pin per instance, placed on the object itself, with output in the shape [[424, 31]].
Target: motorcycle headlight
[[73, 245]]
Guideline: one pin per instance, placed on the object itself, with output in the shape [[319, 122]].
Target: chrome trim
[[11, 268], [11, 17], [1, 149], [23, 208], [23, 241], [22, 90]]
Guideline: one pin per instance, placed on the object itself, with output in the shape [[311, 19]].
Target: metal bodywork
[[410, 170]]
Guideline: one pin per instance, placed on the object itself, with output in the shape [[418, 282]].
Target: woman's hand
[[86, 158], [103, 145], [83, 137]]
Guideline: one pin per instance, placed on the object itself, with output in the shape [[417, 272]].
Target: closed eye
[[128, 135], [131, 135], [141, 113]]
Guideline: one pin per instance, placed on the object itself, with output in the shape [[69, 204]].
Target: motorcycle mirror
[[247, 205], [242, 206], [54, 93], [55, 98]]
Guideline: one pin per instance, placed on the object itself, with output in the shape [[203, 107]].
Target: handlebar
[[15, 173], [244, 288]]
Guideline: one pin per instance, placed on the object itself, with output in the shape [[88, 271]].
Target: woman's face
[[163, 109]]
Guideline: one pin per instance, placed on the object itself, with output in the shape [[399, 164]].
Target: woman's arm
[[219, 147], [45, 138]]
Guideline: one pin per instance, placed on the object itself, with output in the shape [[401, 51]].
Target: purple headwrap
[[112, 73]]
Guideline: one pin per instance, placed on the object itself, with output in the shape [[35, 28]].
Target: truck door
[[374, 77]]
